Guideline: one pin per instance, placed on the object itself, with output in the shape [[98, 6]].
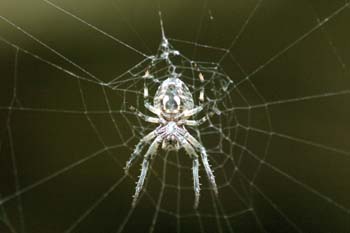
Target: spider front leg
[[139, 148], [195, 168], [145, 165], [204, 158], [196, 184]]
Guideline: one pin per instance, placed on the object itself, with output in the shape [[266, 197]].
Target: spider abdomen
[[173, 96]]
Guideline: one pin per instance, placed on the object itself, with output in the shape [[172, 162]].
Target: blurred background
[[279, 147]]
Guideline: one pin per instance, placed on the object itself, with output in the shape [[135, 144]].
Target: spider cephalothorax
[[173, 105]]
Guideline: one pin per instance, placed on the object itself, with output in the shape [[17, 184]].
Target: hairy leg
[[204, 158], [190, 112], [201, 94], [145, 165], [196, 184], [138, 149], [147, 102], [195, 169], [197, 122], [147, 118]]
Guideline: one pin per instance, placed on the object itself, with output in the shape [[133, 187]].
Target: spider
[[173, 104]]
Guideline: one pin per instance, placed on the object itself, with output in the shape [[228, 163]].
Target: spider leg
[[152, 109], [138, 149], [145, 165], [196, 184], [204, 158], [197, 122], [190, 112], [147, 102], [201, 94], [147, 118], [195, 167]]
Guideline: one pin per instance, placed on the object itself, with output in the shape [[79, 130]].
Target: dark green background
[[283, 52]]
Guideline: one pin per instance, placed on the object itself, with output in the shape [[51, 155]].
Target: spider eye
[[170, 143]]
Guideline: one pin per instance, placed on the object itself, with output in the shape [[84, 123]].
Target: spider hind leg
[[201, 93]]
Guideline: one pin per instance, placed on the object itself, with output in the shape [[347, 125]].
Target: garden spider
[[173, 104]]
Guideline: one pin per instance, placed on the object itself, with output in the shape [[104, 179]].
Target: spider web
[[276, 77]]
